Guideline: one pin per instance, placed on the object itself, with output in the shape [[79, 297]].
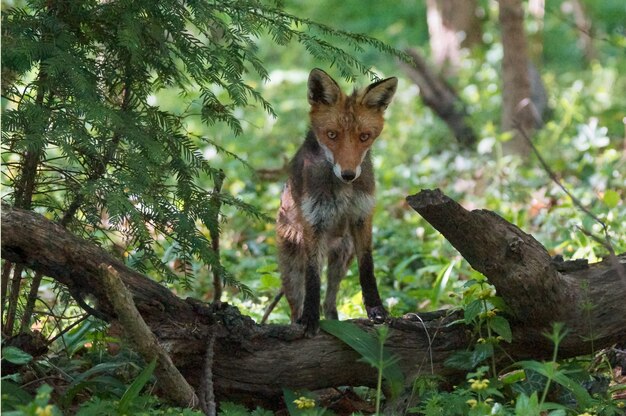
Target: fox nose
[[348, 175]]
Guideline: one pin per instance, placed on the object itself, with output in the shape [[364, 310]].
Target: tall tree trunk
[[517, 107], [452, 25], [537, 11], [583, 24]]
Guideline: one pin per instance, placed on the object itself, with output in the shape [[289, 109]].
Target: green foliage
[[372, 350], [15, 355], [84, 140], [13, 396], [39, 406], [112, 381], [135, 388], [494, 395], [303, 404]]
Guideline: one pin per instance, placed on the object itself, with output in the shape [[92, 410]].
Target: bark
[[215, 236], [452, 24], [517, 106], [441, 98], [16, 285], [252, 363], [537, 12], [531, 283], [585, 28], [171, 382], [30, 302]]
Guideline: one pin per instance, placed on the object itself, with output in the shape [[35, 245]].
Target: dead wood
[[172, 384], [252, 363], [539, 290], [440, 97]]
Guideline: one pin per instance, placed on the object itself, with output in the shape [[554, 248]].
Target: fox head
[[346, 125]]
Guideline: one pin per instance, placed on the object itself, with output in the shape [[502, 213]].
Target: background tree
[[452, 25], [517, 107]]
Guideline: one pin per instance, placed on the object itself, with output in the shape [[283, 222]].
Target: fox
[[327, 203]]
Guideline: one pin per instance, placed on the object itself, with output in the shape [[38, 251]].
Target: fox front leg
[[362, 234], [310, 317]]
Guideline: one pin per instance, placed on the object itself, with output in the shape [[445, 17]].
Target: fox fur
[[328, 201]]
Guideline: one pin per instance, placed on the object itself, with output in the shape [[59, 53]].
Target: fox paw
[[311, 325], [377, 314]]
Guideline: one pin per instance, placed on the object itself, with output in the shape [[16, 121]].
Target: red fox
[[327, 204]]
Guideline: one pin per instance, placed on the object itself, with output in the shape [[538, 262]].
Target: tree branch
[[173, 385]]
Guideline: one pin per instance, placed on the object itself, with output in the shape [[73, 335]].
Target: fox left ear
[[380, 93]]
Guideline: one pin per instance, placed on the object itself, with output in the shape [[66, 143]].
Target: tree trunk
[[452, 24], [252, 363], [517, 107], [537, 12], [585, 28]]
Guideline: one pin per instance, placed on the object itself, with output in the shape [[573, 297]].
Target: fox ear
[[322, 88], [380, 93]]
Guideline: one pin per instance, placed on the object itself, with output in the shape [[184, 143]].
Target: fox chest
[[328, 210]]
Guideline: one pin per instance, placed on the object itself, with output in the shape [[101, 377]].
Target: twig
[[13, 299], [6, 276], [55, 320], [67, 329], [215, 237], [607, 238], [30, 301], [173, 385], [207, 394]]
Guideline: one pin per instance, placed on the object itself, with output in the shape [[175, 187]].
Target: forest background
[[188, 149]]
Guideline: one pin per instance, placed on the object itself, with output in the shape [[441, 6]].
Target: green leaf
[[461, 360], [16, 356], [467, 360], [290, 398], [13, 395], [527, 406], [87, 378], [232, 409], [135, 388], [472, 310], [481, 353], [513, 377], [368, 346], [501, 326], [548, 370], [441, 282], [611, 198]]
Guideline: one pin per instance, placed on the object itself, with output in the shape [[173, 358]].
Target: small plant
[[303, 404], [480, 310], [372, 350], [39, 406]]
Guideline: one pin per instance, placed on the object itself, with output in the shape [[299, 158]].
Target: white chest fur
[[326, 210]]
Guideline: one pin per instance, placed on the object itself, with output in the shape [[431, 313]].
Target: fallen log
[[588, 299], [252, 363]]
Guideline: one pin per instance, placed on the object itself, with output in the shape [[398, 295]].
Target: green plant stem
[[493, 358], [554, 355], [379, 383]]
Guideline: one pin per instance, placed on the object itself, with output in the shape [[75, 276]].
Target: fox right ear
[[322, 88]]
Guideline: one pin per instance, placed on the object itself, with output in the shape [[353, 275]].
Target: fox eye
[[332, 134], [364, 137]]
